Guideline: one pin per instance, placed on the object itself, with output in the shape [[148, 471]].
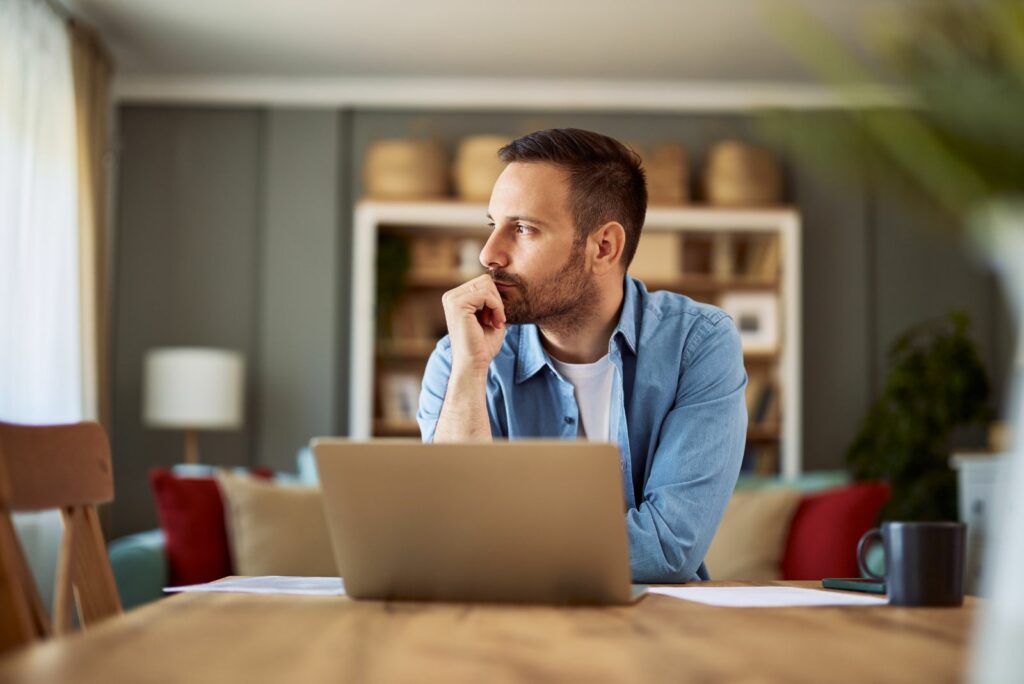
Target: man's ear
[[609, 240]]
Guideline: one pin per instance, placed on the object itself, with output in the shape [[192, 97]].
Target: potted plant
[[936, 385]]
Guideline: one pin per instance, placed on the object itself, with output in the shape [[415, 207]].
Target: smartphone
[[854, 584]]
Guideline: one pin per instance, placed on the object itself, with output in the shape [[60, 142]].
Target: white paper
[[272, 584], [768, 597]]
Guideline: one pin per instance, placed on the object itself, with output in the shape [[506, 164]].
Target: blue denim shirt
[[681, 413]]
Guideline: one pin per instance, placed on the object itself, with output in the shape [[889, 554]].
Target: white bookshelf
[[463, 218]]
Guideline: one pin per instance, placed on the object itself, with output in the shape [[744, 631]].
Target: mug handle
[[862, 545]]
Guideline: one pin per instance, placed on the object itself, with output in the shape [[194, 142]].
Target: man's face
[[538, 266]]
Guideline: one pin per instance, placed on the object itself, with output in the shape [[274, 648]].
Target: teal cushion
[[815, 481], [139, 562], [307, 467]]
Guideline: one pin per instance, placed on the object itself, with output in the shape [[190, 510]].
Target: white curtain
[[40, 332]]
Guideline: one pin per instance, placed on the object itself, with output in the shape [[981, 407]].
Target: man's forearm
[[464, 412]]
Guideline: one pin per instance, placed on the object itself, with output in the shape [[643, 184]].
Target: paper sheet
[[768, 597], [272, 584]]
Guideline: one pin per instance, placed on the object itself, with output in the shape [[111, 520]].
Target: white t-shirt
[[592, 385]]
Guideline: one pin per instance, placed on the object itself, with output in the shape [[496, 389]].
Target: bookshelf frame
[[471, 219]]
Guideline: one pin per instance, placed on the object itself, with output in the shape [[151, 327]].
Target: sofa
[[802, 529]]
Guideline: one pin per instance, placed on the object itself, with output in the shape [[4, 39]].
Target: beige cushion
[[276, 529], [751, 539]]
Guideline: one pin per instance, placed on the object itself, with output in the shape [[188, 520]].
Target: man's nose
[[494, 254]]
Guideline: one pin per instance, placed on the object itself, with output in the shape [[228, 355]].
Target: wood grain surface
[[253, 638]]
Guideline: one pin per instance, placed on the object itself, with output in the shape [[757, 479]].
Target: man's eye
[[522, 229]]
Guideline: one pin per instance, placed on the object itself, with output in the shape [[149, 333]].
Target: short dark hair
[[606, 181]]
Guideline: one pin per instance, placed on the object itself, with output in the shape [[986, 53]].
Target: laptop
[[523, 522]]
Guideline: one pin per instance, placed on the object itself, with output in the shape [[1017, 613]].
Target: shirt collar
[[531, 356]]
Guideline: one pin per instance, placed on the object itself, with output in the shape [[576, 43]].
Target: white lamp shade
[[192, 387]]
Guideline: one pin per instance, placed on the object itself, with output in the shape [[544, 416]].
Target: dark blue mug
[[924, 562]]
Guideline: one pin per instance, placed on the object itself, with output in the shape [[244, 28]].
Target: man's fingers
[[490, 317], [480, 283], [479, 297], [497, 310], [475, 299], [483, 283]]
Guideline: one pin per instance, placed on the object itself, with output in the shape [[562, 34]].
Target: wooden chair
[[66, 467]]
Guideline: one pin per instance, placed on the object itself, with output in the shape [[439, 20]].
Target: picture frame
[[756, 315], [400, 396]]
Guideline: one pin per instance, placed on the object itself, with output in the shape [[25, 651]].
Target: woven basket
[[477, 166], [667, 171], [400, 169], [741, 175]]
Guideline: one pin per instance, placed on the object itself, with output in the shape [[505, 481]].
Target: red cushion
[[825, 530], [192, 518], [191, 515]]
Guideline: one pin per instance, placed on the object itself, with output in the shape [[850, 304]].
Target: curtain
[[54, 84], [92, 70], [40, 323]]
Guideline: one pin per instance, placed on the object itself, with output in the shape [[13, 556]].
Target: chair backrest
[[55, 466]]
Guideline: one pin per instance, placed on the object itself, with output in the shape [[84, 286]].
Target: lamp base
[[191, 446]]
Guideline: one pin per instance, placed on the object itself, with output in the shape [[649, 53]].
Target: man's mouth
[[503, 287]]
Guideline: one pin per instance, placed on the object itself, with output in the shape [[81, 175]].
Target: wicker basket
[[405, 169], [477, 166], [741, 175], [667, 171]]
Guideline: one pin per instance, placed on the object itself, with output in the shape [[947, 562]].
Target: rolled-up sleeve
[[435, 386], [696, 460]]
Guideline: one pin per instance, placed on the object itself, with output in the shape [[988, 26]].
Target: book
[[755, 386], [763, 259]]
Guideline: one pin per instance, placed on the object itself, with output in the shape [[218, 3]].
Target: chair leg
[[63, 592], [40, 620], [95, 587], [18, 626]]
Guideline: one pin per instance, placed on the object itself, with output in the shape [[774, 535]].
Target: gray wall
[[187, 242], [299, 290], [228, 236], [234, 229]]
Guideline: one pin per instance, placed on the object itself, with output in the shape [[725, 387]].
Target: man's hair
[[606, 181]]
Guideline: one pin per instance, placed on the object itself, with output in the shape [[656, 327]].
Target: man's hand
[[476, 324]]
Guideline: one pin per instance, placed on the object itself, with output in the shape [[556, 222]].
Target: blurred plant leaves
[[955, 125], [392, 267]]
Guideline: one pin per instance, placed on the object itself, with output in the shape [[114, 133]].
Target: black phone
[[871, 586]]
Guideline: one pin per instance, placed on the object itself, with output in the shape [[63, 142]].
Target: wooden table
[[251, 638]]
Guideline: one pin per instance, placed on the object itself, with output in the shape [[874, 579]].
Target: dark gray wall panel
[[187, 249], [836, 318], [298, 321], [342, 278], [924, 270]]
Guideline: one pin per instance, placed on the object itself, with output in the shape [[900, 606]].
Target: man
[[557, 341]]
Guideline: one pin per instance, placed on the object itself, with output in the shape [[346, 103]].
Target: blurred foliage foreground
[[958, 68], [956, 131]]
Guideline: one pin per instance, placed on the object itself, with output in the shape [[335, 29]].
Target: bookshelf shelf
[[383, 427], [763, 433], [714, 254]]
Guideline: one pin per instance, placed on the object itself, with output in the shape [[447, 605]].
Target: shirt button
[[569, 420]]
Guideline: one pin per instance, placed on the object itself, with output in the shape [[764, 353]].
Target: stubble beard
[[560, 303]]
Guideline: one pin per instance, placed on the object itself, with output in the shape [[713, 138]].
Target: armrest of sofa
[[139, 562]]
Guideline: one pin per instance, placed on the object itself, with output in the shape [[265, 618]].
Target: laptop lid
[[524, 521]]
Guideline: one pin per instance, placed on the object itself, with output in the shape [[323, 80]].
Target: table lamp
[[192, 389]]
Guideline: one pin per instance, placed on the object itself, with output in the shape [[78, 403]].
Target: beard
[[558, 302]]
